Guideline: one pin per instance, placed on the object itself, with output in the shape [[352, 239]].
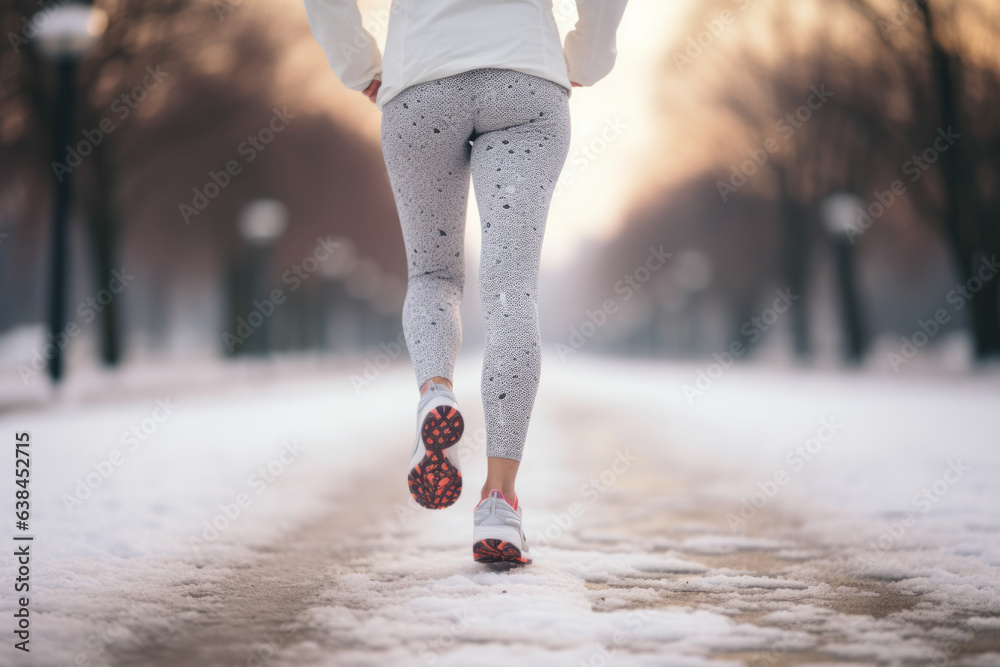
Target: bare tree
[[140, 38], [898, 74], [927, 39], [219, 83]]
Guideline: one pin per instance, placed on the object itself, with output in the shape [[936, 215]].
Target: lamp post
[[64, 37], [839, 213], [333, 272], [689, 278], [262, 222]]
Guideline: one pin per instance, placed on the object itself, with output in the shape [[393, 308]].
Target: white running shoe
[[435, 478], [497, 534]]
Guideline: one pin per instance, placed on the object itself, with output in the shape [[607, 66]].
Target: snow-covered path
[[781, 519]]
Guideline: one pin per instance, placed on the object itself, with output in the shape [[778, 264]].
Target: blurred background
[[195, 220], [184, 184]]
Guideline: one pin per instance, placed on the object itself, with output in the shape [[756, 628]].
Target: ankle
[[436, 380], [506, 489]]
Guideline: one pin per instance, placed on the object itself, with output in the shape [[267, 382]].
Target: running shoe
[[497, 534], [435, 479]]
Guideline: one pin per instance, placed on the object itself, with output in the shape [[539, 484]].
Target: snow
[[262, 518]]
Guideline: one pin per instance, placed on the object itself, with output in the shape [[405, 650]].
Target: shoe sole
[[435, 483], [492, 550]]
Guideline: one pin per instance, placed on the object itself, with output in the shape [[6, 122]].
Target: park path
[[774, 522]]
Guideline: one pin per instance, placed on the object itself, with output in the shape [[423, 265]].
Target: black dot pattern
[[510, 132]]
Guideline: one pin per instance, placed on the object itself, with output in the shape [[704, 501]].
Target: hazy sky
[[614, 122], [606, 173]]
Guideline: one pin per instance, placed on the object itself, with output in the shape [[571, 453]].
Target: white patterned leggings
[[511, 131]]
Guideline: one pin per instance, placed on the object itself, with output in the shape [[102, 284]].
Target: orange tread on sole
[[435, 483]]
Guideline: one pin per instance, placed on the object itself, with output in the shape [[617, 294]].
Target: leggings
[[511, 132]]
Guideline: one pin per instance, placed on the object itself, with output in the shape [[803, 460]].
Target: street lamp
[[69, 31], [333, 272], [261, 223], [64, 35], [685, 286], [839, 213]]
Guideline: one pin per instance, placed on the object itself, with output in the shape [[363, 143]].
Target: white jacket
[[431, 39]]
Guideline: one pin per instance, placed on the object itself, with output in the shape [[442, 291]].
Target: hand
[[372, 90], [575, 84]]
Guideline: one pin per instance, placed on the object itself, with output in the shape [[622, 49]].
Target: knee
[[436, 278], [510, 310], [511, 290]]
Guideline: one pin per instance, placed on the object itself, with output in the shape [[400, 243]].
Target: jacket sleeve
[[350, 49], [590, 47]]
